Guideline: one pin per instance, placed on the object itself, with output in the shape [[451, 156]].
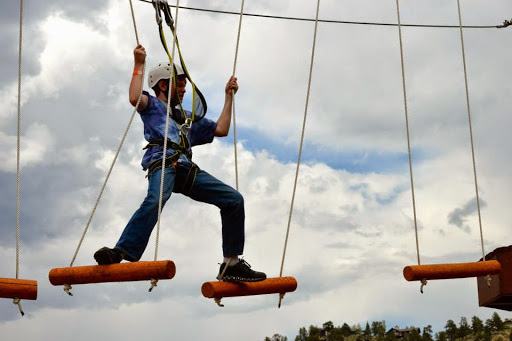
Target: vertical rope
[[471, 129], [234, 111], [301, 140], [167, 121], [115, 157], [134, 23], [408, 131], [18, 147]]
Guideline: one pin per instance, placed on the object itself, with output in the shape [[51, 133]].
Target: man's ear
[[162, 84]]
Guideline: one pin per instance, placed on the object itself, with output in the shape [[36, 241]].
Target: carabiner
[[156, 5]]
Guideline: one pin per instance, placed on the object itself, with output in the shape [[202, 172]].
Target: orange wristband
[[137, 72]]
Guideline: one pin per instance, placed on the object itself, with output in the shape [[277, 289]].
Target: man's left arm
[[224, 120]]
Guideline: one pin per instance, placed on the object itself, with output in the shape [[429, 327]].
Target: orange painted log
[[455, 270], [121, 272], [25, 289], [276, 285]]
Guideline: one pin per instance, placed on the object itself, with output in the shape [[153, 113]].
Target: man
[[180, 170]]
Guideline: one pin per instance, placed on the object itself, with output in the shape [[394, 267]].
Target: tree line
[[492, 329]]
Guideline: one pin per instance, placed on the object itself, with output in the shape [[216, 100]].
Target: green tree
[[427, 333], [477, 325], [328, 326], [379, 329], [451, 330], [303, 335], [367, 332], [335, 334], [441, 336], [314, 334], [276, 337], [464, 328], [414, 335], [346, 330], [497, 321], [356, 329]]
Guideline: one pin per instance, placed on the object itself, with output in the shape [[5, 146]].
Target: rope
[[471, 130], [18, 147], [234, 111], [167, 121], [17, 302], [408, 131], [301, 142], [115, 157], [506, 23]]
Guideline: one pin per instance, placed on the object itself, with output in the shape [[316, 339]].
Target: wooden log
[[120, 272], [276, 285], [25, 289], [449, 271]]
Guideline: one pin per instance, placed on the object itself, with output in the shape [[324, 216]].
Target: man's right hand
[[139, 54]]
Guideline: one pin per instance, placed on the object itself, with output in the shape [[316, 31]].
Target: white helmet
[[163, 71]]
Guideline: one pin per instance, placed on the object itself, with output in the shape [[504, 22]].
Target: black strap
[[181, 148]]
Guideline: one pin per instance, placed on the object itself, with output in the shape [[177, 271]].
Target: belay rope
[[199, 106]]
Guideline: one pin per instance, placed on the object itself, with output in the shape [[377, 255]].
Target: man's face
[[181, 84]]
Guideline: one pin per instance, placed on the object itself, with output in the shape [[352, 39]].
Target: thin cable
[[301, 137], [471, 129], [167, 121], [234, 111], [506, 23], [115, 157], [18, 147], [407, 130]]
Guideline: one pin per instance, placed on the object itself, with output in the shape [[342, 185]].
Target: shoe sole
[[236, 279]]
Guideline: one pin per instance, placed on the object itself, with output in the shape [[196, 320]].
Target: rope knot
[[67, 289], [17, 302], [154, 283], [423, 283]]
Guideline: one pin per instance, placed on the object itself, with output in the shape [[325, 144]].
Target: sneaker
[[240, 272], [108, 256]]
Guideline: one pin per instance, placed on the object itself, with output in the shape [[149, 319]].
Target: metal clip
[[156, 5], [185, 127]]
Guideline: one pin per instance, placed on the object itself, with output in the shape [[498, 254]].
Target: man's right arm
[[135, 90]]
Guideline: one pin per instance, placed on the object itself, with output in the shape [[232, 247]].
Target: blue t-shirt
[[154, 117]]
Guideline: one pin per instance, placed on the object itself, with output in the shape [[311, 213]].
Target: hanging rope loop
[[17, 302], [154, 283], [67, 289], [423, 284]]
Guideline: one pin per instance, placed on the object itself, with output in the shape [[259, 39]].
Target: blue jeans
[[206, 188]]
